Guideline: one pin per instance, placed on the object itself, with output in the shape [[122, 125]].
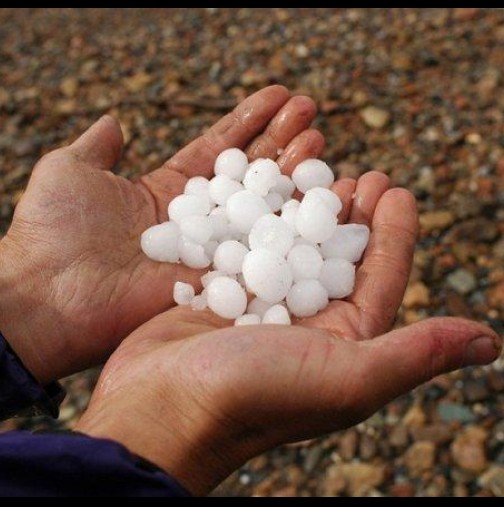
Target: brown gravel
[[415, 93]]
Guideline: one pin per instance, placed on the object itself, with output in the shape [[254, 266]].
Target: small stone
[[496, 296], [454, 412], [437, 433], [462, 281], [475, 390], [361, 478], [436, 220], [375, 117], [493, 480], [399, 437], [420, 458], [415, 417], [348, 445], [417, 295], [468, 450]]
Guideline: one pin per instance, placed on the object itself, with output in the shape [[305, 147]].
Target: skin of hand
[[73, 280], [199, 399]]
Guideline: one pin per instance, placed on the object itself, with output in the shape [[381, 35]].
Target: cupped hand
[[73, 280], [199, 399]]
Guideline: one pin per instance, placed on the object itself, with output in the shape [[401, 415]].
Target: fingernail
[[482, 350]]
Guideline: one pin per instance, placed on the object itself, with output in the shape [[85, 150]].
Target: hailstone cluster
[[268, 256]]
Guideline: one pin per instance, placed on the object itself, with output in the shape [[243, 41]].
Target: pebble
[[375, 117], [420, 458], [468, 450], [462, 281]]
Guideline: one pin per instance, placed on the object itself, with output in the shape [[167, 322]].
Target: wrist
[[184, 442], [19, 313]]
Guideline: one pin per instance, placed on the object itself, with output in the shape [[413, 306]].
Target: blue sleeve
[[53, 465], [20, 392], [73, 465]]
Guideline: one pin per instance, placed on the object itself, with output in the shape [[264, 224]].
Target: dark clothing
[[64, 464]]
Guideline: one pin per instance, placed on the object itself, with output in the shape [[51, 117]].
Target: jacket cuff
[[20, 393]]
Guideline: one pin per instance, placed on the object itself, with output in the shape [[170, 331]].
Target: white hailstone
[[207, 279], [160, 243], [229, 257], [261, 176], [210, 249], [312, 173], [222, 187], [188, 205], [258, 307], [232, 163], [199, 303], [249, 319], [183, 293], [305, 262], [272, 233], [277, 314], [267, 275], [338, 277], [284, 186], [301, 241], [329, 197], [289, 216], [307, 298], [192, 254], [348, 242], [293, 203], [220, 225], [244, 209], [196, 228], [274, 201], [315, 220], [197, 186], [226, 298]]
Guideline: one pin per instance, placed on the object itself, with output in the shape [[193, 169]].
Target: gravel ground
[[415, 93]]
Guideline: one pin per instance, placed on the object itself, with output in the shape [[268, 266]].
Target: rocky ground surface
[[415, 93]]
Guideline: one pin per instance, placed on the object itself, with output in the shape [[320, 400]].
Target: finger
[[308, 144], [100, 146], [418, 353], [295, 117], [345, 190], [384, 273], [235, 130], [370, 187]]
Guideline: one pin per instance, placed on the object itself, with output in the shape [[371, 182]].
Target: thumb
[[401, 360], [101, 145]]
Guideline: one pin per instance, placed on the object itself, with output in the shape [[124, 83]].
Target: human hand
[[199, 401], [73, 280]]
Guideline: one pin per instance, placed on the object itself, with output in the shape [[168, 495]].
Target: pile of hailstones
[[291, 255]]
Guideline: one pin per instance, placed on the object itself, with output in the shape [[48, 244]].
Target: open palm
[[77, 278]]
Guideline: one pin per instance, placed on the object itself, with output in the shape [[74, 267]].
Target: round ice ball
[[226, 298], [208, 278], [329, 197], [232, 163], [338, 277], [220, 224], [160, 243], [284, 186], [305, 262], [196, 228], [183, 293], [307, 298], [277, 314], [259, 307], [244, 209], [229, 257], [272, 233], [274, 201], [248, 319], [267, 275], [188, 205], [348, 242], [222, 187], [192, 254], [197, 186], [199, 303], [312, 173], [261, 176], [315, 221]]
